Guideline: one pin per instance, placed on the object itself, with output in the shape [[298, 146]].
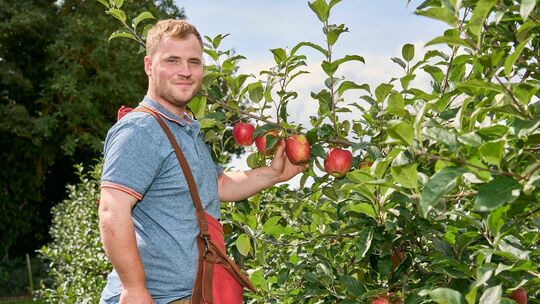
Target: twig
[[464, 163]]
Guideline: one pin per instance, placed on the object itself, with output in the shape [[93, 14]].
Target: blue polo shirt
[[140, 161]]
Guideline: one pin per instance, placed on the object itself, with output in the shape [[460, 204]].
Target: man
[[146, 215]]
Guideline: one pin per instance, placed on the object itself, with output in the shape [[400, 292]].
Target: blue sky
[[377, 31], [376, 26]]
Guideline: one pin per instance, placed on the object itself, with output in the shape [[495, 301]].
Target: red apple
[[243, 133], [519, 295], [260, 142], [380, 300], [297, 149], [338, 162], [122, 111]]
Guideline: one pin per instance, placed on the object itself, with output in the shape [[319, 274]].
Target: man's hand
[[237, 186], [136, 296], [282, 167]]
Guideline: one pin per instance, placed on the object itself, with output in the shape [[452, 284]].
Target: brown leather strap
[[201, 218]]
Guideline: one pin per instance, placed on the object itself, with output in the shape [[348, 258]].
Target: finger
[[280, 148]]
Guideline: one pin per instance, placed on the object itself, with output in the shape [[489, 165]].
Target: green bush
[[77, 264], [14, 276]]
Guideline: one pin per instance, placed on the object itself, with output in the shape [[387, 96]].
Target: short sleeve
[[131, 159]]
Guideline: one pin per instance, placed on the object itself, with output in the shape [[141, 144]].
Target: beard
[[179, 99]]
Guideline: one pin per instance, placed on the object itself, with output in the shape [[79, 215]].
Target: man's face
[[175, 70]]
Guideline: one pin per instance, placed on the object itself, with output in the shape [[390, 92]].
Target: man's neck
[[177, 110]]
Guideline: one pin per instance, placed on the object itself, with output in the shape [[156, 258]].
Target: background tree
[[61, 82]]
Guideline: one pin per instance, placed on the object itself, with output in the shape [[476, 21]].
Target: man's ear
[[148, 65]]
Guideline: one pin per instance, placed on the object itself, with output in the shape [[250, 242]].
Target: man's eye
[[171, 60]]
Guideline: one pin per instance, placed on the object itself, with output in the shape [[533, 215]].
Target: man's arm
[[237, 186], [118, 237]]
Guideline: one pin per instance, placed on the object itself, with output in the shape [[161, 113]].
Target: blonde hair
[[169, 28]]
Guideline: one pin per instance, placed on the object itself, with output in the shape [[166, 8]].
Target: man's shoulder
[[135, 125]]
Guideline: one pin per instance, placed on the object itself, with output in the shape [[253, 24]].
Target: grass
[[19, 300]]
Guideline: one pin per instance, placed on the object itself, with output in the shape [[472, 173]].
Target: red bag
[[219, 280]]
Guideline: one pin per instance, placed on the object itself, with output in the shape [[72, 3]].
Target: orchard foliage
[[443, 200]]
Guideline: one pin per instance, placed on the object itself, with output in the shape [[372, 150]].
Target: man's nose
[[184, 70]]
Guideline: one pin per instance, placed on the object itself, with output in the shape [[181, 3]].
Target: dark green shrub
[[77, 264]]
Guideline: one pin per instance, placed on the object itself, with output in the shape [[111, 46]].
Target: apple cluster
[[337, 162]]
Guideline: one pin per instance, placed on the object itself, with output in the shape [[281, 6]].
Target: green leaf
[[449, 40], [379, 167], [142, 16], [382, 91], [408, 52], [405, 80], [440, 184], [492, 295], [492, 151], [272, 227], [334, 32], [440, 13], [217, 40], [104, 2], [435, 72], [243, 244], [400, 62], [331, 68], [525, 29], [396, 105], [118, 3], [311, 45], [259, 131], [363, 242], [363, 208], [444, 296], [476, 86], [122, 34], [526, 7], [254, 160], [511, 60], [349, 58], [118, 14], [496, 220], [349, 85], [280, 55], [197, 105], [406, 176], [501, 190], [320, 8], [333, 2], [480, 13], [495, 131], [402, 131], [256, 91]]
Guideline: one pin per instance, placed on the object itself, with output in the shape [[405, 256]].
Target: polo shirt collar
[[161, 110]]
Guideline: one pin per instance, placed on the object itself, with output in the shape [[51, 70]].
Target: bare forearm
[[118, 237], [237, 186]]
